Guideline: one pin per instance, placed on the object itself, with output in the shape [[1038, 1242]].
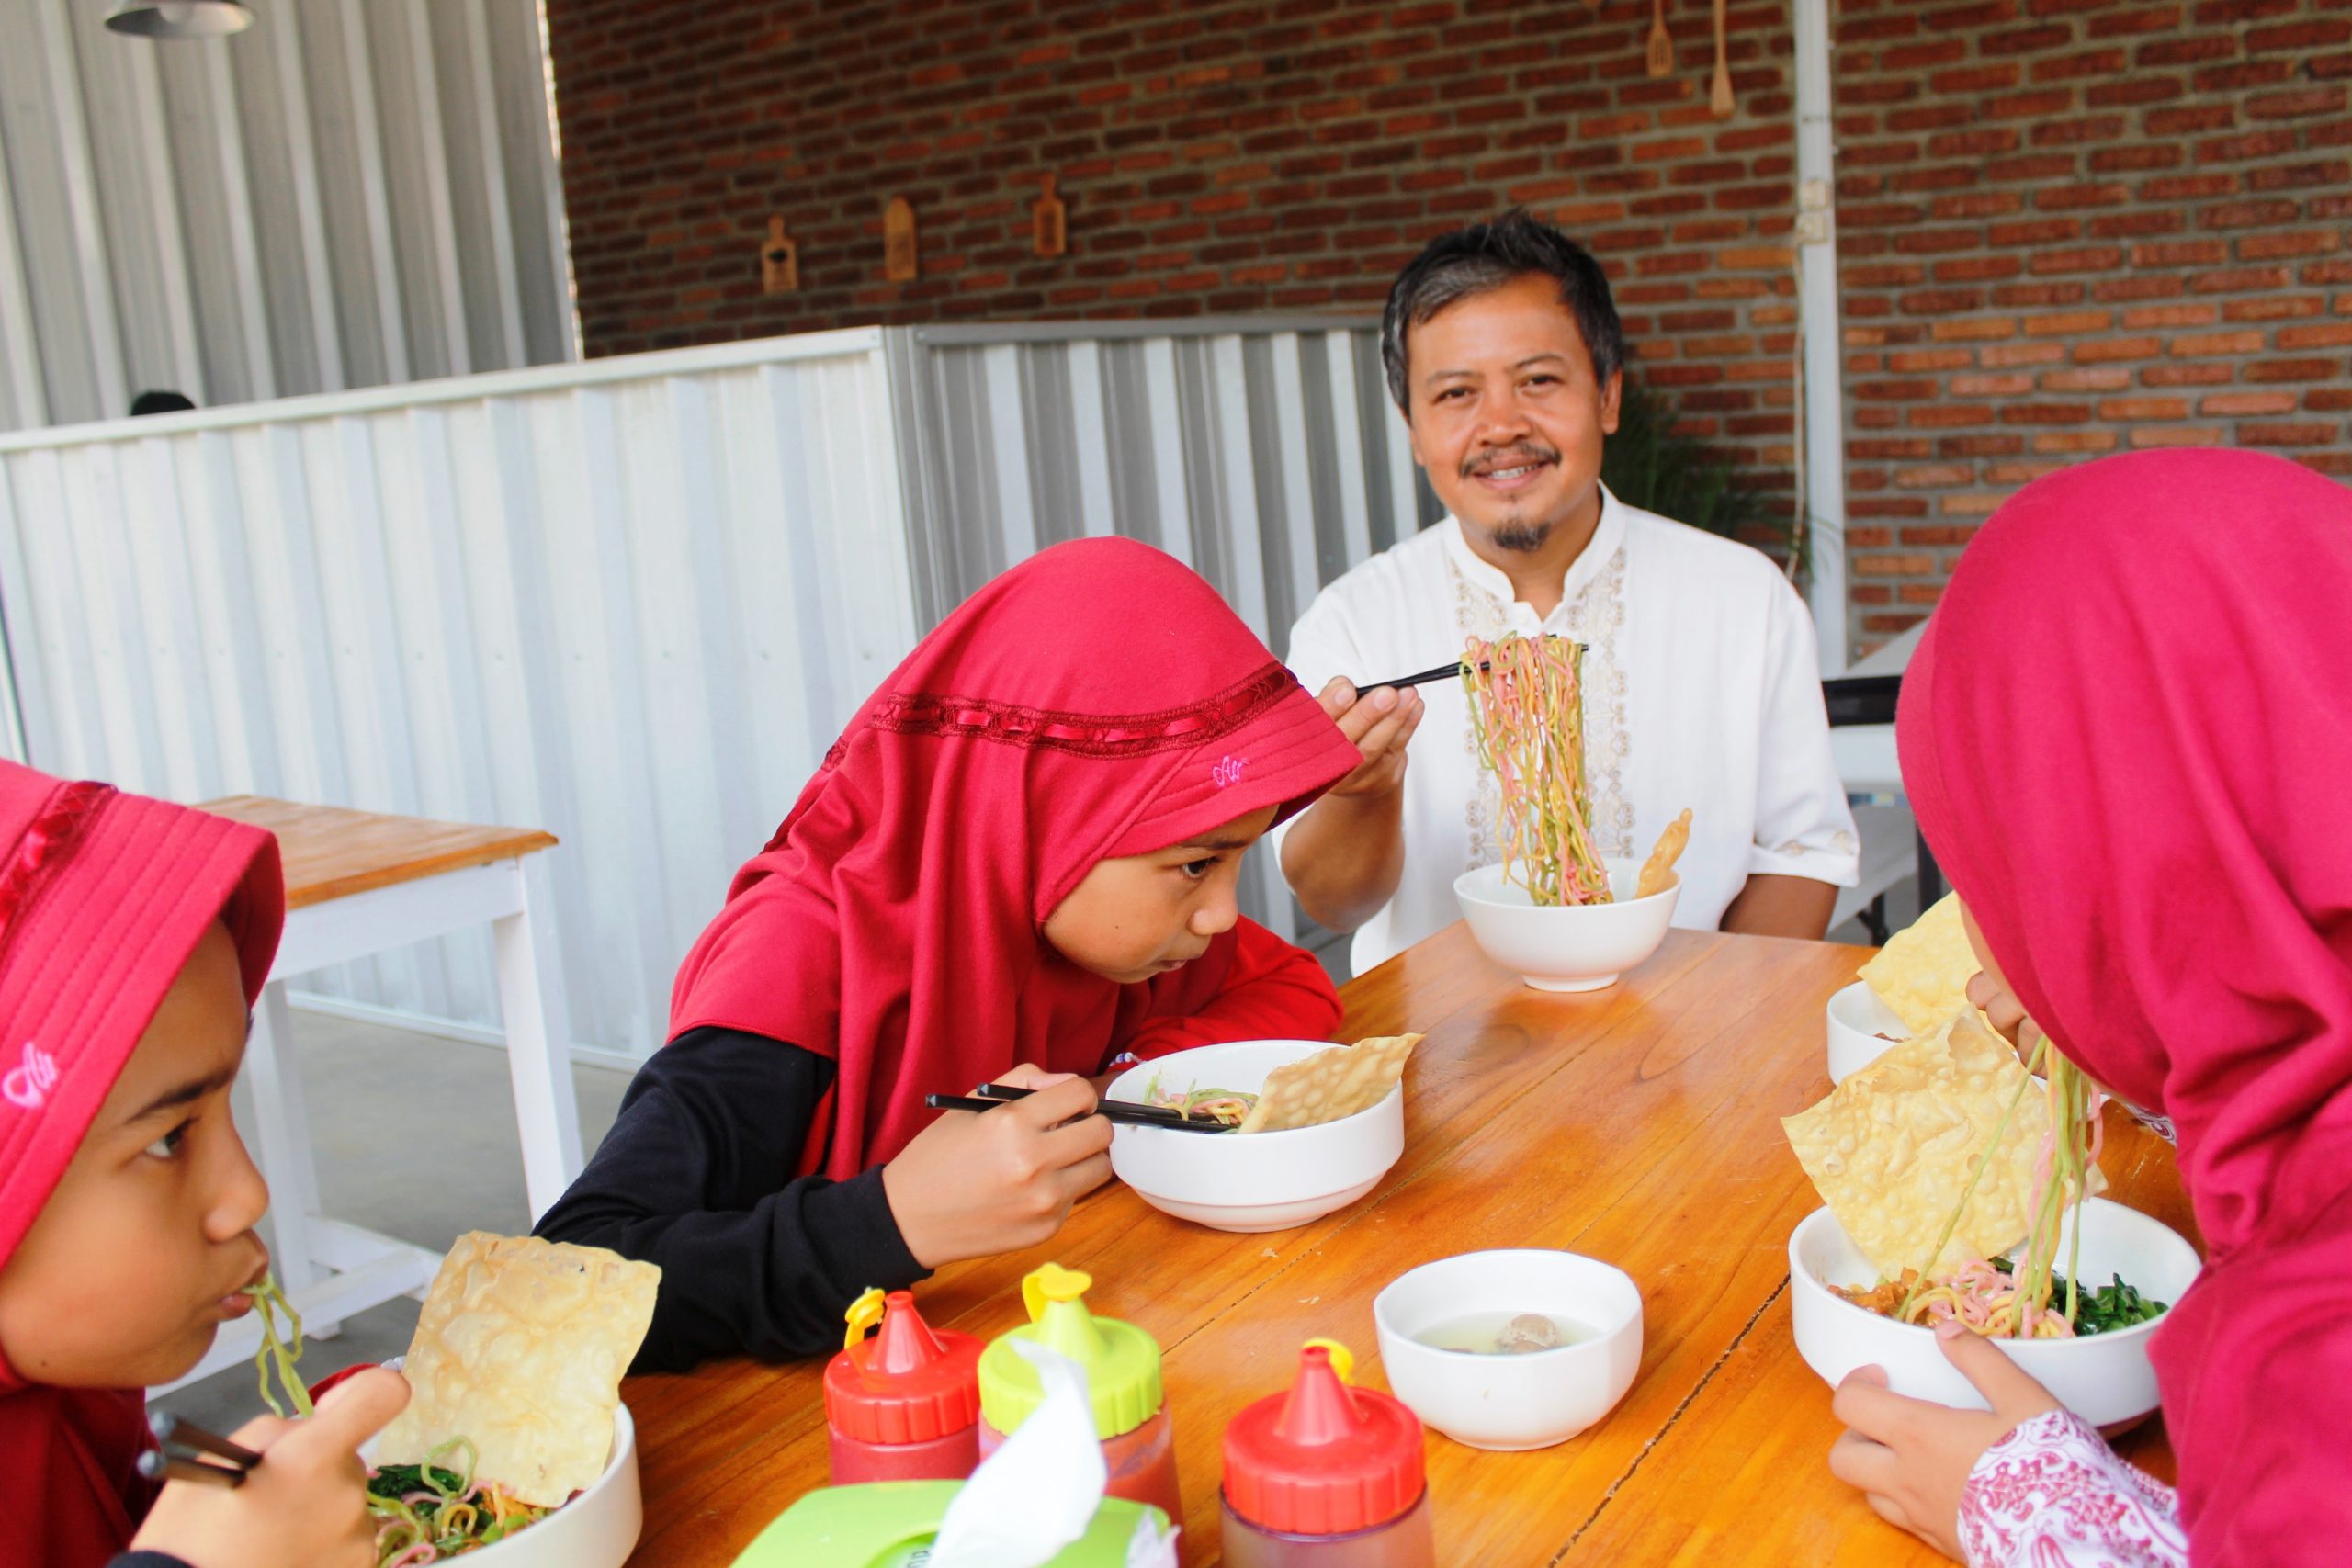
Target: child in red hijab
[[134, 937], [2128, 736], [1017, 865]]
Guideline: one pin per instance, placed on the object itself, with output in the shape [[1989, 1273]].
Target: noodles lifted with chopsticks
[[1527, 714], [277, 1353], [2015, 1302]]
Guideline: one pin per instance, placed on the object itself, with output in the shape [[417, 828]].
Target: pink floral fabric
[[2053, 1495]]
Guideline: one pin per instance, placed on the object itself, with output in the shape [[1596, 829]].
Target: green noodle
[[275, 1353]]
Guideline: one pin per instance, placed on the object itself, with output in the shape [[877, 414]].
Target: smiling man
[[1702, 685]]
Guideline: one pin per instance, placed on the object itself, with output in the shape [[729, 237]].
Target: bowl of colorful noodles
[[515, 1448], [1315, 1127], [443, 1508], [1961, 1187]]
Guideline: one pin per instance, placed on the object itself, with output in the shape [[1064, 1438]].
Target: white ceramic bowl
[[1264, 1181], [1509, 1402], [597, 1529], [1569, 947], [1857, 1020], [2105, 1379]]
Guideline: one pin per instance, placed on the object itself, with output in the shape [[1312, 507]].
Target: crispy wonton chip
[[520, 1348], [1658, 872], [1891, 1148], [1924, 970], [1330, 1085]]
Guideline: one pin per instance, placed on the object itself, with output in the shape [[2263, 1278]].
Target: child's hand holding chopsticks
[[305, 1506]]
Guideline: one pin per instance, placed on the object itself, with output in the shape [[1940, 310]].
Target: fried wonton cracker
[[1923, 971], [1893, 1147], [520, 1349], [1330, 1085], [1658, 872]]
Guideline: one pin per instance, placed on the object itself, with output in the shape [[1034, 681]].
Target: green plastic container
[[891, 1524]]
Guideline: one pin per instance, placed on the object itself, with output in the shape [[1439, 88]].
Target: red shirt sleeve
[[1273, 990]]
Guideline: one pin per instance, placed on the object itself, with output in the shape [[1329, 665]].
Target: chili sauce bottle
[[1326, 1475], [905, 1405], [1121, 1366]]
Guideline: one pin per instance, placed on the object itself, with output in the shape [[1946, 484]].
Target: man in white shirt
[[1702, 687]]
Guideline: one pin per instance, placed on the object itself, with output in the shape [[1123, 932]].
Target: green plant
[[1647, 464]]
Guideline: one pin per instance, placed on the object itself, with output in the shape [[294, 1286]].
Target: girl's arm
[[1272, 991], [697, 1176]]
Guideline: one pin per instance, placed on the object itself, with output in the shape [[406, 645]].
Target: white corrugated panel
[[344, 195], [1262, 450], [631, 601]]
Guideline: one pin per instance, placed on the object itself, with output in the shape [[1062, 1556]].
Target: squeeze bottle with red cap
[[905, 1405], [1327, 1475], [1121, 1366]]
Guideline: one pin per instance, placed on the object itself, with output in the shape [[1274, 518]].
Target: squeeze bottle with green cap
[[905, 1405], [1326, 1475], [1121, 1366]]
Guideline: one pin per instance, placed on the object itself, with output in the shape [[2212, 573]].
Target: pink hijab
[[2128, 738], [102, 897]]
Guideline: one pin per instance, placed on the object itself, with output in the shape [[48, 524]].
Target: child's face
[[139, 1255], [1139, 916]]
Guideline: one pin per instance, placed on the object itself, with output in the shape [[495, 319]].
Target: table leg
[[283, 1129], [538, 1042]]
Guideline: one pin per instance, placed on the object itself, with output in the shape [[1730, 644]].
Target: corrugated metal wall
[[632, 601], [1262, 451], [349, 193]]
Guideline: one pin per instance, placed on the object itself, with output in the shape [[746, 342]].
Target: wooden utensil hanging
[[1720, 100], [779, 261], [1662, 43], [901, 262]]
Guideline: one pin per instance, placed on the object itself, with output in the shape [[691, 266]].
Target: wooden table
[[1638, 1124], [358, 883]]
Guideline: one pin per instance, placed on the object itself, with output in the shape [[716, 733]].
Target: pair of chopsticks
[[1439, 673], [1128, 1112], [188, 1452]]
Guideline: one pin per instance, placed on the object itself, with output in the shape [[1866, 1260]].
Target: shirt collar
[[1484, 574]]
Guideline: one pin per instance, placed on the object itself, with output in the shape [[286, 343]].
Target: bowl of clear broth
[[1512, 1349]]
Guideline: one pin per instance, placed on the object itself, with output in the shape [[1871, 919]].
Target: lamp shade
[[179, 19]]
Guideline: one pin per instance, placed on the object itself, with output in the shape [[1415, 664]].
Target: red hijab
[[1098, 700], [2128, 738], [102, 897]]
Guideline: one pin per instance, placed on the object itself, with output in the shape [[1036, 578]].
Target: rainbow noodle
[[2018, 1304], [1527, 716]]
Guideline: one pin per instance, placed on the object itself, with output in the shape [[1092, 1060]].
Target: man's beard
[[1524, 537]]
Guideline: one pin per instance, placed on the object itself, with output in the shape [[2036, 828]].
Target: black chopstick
[[1133, 1111], [156, 1465], [1110, 1110], [171, 1429], [188, 1451], [1438, 673]]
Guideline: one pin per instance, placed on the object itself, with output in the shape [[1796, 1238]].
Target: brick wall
[[2066, 226], [1214, 158], [2075, 227]]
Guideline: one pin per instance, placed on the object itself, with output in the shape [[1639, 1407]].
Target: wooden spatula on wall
[[1721, 99], [1661, 45]]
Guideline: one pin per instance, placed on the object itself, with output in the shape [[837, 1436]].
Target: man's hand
[[1377, 723]]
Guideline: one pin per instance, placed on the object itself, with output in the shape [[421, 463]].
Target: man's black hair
[[1485, 257], [146, 403]]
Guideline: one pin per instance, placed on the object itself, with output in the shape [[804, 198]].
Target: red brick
[[2235, 403]]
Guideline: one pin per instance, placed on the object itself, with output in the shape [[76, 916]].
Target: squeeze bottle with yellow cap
[[904, 1405], [1326, 1475], [1121, 1366]]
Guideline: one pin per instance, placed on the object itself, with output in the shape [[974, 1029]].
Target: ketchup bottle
[[1121, 1366], [904, 1405], [1326, 1475]]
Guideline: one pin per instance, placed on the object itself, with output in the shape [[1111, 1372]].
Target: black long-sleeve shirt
[[697, 1176]]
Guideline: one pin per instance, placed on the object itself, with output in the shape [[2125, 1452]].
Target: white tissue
[[1150, 1548], [1037, 1493]]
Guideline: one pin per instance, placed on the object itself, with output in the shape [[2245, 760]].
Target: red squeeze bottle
[[1326, 1475], [904, 1405]]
